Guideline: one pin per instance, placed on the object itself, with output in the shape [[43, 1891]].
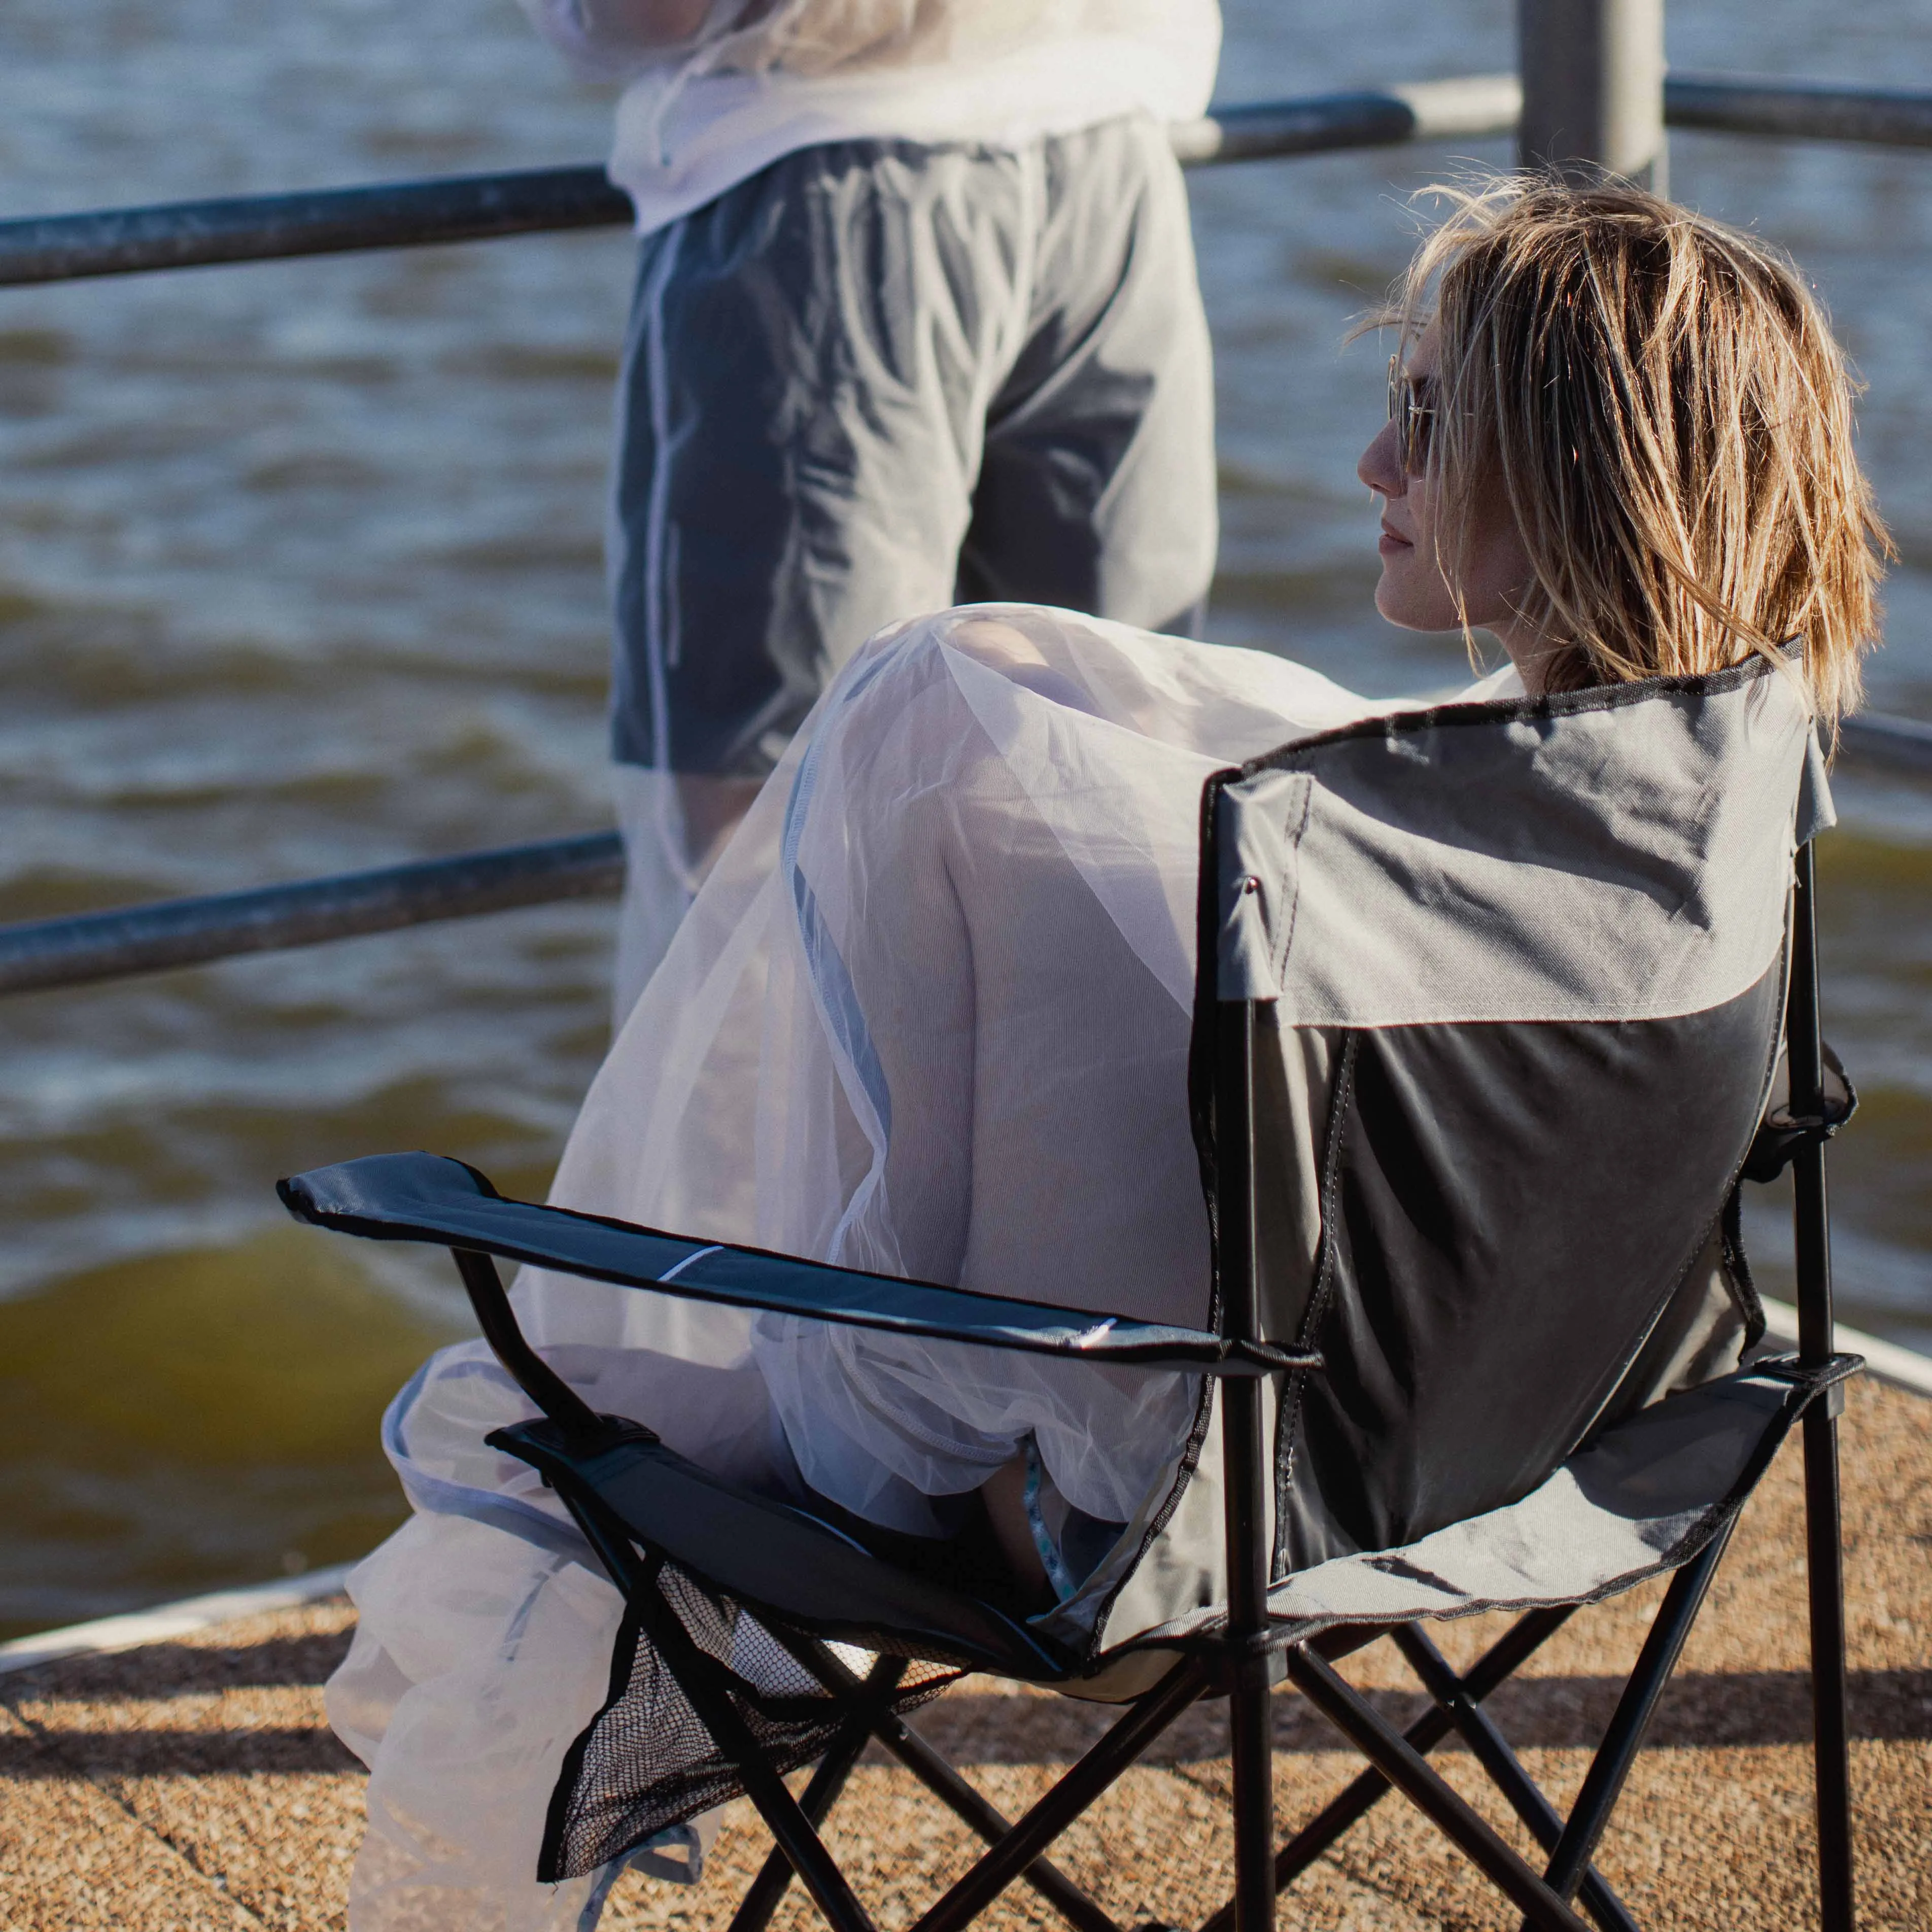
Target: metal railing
[[533, 201], [117, 944], [92, 947]]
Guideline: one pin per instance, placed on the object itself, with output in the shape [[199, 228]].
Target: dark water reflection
[[299, 572]]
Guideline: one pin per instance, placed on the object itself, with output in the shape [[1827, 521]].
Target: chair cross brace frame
[[1016, 1849]]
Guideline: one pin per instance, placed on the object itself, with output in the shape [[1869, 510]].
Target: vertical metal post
[[1593, 87], [1249, 1540], [1811, 1231]]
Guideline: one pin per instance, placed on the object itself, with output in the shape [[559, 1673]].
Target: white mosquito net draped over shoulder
[[928, 1016]]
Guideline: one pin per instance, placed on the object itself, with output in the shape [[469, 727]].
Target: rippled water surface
[[299, 572]]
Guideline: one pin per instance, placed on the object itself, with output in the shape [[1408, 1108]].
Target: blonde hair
[[1661, 401]]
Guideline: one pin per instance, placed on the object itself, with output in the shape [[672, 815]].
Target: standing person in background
[[915, 323]]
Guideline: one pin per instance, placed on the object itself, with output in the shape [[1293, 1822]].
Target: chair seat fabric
[[770, 1556], [1644, 1498]]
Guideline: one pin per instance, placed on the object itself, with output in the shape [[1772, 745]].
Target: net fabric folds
[[930, 1016]]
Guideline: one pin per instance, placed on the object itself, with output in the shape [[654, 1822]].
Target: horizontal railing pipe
[[1799, 110], [1877, 738], [470, 208], [322, 221], [121, 943], [1469, 109], [118, 944]]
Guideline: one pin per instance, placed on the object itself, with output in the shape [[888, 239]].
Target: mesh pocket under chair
[[1491, 1005]]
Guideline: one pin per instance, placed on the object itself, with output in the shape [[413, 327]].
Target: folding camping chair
[[1492, 1388]]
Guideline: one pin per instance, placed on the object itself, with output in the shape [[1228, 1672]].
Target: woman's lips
[[1390, 542]]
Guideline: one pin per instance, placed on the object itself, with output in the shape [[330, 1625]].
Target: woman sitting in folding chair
[[930, 1015]]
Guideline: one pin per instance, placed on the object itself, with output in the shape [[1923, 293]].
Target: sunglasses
[[1411, 416]]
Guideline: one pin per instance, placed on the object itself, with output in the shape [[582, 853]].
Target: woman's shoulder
[[1219, 700]]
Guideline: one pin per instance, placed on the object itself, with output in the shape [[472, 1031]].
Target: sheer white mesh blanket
[[606, 37], [929, 1015]]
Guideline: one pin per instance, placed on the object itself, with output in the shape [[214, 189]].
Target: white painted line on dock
[[168, 1621], [1885, 1359]]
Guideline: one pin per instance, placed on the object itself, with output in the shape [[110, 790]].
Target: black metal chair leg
[[799, 1842], [1603, 1783], [1811, 1230], [1831, 1717], [1410, 1773], [816, 1800], [796, 1838], [1362, 1793], [1078, 1908], [761, 1900], [1492, 1749], [1081, 1911], [1083, 1783], [1251, 1740]]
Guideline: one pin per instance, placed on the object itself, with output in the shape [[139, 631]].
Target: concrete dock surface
[[195, 1783]]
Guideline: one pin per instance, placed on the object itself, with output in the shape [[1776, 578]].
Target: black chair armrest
[[425, 1197]]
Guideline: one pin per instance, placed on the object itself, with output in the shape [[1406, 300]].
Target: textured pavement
[[195, 1784]]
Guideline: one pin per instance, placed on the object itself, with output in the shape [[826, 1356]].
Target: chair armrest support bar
[[534, 1375]]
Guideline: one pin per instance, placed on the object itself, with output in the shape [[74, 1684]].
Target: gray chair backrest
[[1520, 969]]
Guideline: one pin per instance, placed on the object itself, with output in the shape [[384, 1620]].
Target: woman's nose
[[1380, 466]]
